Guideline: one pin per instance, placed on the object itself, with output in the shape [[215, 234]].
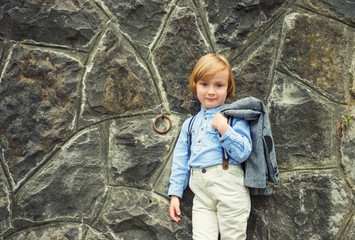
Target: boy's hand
[[175, 208], [220, 123]]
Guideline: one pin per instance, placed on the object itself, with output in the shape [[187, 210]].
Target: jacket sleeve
[[180, 171], [237, 141], [269, 149]]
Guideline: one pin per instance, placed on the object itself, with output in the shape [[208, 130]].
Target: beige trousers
[[221, 203]]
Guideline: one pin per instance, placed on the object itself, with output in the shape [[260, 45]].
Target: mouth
[[210, 99]]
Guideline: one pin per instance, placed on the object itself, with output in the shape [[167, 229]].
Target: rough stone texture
[[4, 201], [125, 84], [59, 231], [37, 106], [175, 56], [91, 234], [70, 185], [4, 204], [81, 83], [3, 54], [348, 150], [313, 144], [145, 216], [71, 23], [342, 10], [232, 22], [314, 49], [141, 20], [137, 151], [298, 205], [252, 77], [350, 233]]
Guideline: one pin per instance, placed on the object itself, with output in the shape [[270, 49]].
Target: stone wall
[[83, 80]]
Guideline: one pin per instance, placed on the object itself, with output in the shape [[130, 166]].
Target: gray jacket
[[261, 166]]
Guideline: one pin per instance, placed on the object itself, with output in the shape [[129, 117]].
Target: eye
[[220, 85], [204, 84]]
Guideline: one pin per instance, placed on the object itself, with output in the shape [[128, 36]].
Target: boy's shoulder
[[187, 121]]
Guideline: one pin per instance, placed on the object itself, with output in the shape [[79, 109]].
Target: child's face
[[212, 93]]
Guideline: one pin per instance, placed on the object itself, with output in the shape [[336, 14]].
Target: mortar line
[[63, 220], [283, 70], [106, 150], [89, 58], [37, 168], [8, 59], [59, 147], [104, 135], [348, 216], [81, 234], [141, 59], [120, 116], [264, 28], [99, 231], [102, 7], [324, 15], [204, 23], [306, 169], [6, 171], [50, 47], [275, 62], [100, 207], [347, 223], [10, 184], [163, 29]]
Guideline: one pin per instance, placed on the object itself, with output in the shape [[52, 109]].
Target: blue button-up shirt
[[207, 147]]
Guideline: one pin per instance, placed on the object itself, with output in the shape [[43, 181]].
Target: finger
[[175, 218], [178, 212], [173, 215]]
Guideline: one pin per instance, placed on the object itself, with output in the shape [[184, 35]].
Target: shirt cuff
[[175, 190], [226, 139]]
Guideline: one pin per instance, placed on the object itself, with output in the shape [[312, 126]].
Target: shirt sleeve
[[180, 170], [237, 141]]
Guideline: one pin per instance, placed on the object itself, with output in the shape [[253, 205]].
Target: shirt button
[[199, 141], [230, 151], [215, 130], [222, 141], [203, 170], [193, 131], [205, 110], [201, 129], [205, 118]]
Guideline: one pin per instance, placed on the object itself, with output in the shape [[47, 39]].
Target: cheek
[[222, 93], [200, 91]]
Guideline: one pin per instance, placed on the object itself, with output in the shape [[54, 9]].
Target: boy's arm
[[236, 139], [180, 174], [220, 123]]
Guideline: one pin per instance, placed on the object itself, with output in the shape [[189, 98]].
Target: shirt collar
[[211, 110]]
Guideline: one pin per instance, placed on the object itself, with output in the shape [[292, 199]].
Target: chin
[[210, 106]]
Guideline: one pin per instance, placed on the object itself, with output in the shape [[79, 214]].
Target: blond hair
[[207, 66]]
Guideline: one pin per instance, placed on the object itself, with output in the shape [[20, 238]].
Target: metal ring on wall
[[162, 117]]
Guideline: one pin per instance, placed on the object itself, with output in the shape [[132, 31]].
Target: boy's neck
[[212, 109]]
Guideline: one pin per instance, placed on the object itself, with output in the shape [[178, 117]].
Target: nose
[[211, 91]]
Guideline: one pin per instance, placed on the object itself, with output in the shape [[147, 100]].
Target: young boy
[[222, 202]]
